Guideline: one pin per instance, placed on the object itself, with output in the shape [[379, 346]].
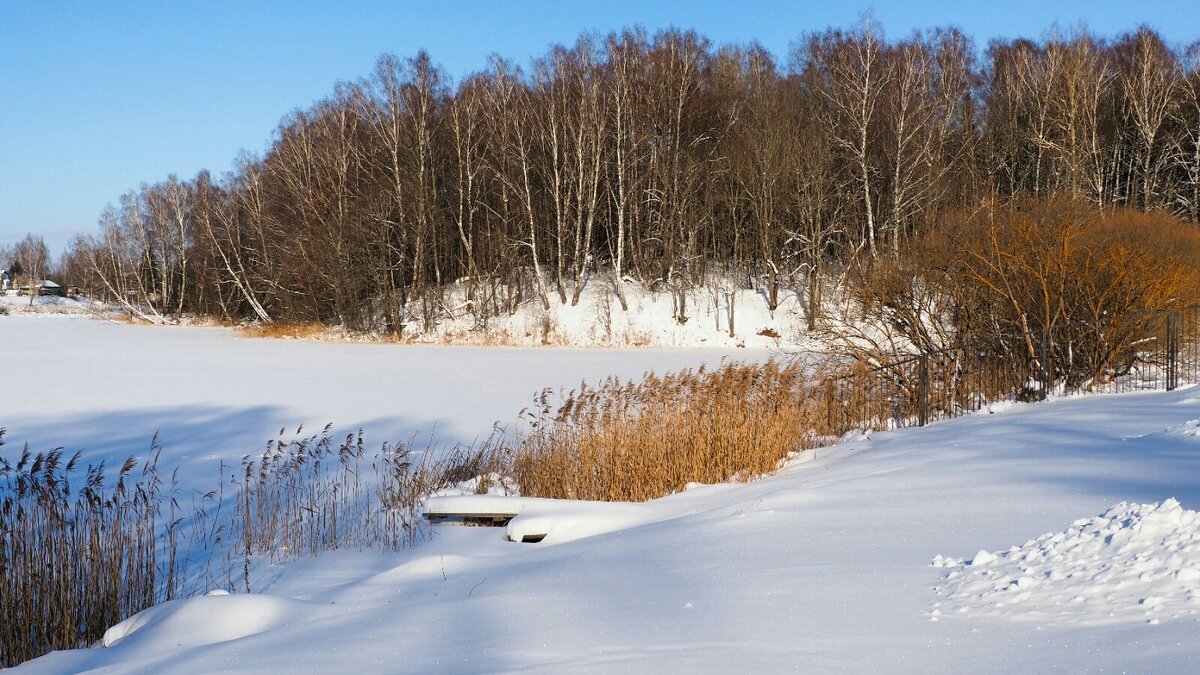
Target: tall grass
[[638, 441], [310, 495], [81, 551]]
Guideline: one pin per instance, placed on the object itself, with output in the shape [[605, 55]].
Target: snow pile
[[1189, 429], [205, 620], [1134, 562], [554, 521]]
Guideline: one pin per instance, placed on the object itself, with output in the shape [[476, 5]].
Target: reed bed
[[297, 331], [309, 495], [627, 441], [81, 551]]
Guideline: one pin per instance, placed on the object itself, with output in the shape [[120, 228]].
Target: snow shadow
[[197, 439]]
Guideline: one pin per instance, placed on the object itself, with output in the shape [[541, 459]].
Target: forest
[[666, 161]]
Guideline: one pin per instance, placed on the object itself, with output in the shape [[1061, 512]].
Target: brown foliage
[[299, 331], [639, 441], [1091, 283]]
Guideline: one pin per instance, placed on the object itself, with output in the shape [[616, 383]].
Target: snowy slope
[[828, 566], [51, 306], [723, 316]]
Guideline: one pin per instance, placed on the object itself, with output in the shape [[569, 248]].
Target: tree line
[[404, 198]]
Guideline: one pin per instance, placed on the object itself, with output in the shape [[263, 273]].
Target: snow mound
[[559, 521], [204, 620], [1132, 563], [1189, 429], [554, 521]]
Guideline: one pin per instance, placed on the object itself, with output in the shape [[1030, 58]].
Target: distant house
[[5, 281], [45, 287]]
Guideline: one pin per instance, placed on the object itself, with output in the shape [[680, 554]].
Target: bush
[[1092, 287]]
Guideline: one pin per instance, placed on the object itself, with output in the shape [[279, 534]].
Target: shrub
[[1054, 275], [1091, 285]]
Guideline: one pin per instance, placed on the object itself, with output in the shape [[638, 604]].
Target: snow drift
[[1134, 562]]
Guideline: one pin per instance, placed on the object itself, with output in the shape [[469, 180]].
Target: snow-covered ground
[[857, 557], [724, 316], [18, 305]]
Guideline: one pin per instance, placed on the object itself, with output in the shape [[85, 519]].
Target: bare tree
[[1148, 73], [852, 76]]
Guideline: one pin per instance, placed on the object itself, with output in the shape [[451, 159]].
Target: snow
[[107, 388], [51, 306], [650, 321], [190, 623], [724, 316], [824, 567], [1134, 562], [556, 520]]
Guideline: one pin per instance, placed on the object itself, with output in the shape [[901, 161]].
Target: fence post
[[1172, 350], [923, 390]]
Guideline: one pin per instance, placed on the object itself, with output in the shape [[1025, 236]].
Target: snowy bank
[[824, 567]]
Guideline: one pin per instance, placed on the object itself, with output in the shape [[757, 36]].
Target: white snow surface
[[107, 388], [49, 305], [1134, 562], [824, 567], [722, 315]]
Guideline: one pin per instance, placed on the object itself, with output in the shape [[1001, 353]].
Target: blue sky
[[99, 97]]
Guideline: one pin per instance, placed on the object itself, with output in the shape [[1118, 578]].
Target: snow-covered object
[[1134, 562], [204, 620], [553, 521]]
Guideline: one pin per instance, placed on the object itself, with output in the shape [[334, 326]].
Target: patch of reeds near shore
[[81, 550], [634, 441], [311, 494]]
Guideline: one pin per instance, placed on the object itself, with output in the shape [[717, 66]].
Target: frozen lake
[[106, 388]]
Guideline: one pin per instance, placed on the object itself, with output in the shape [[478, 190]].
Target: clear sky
[[97, 97]]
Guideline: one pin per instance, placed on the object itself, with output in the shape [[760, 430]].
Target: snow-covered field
[[959, 547]]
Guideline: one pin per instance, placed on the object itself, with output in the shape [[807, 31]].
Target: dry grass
[[302, 331], [638, 441], [311, 495], [79, 553]]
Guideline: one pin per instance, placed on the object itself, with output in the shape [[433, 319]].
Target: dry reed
[[77, 557], [79, 553], [636, 441], [298, 331]]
